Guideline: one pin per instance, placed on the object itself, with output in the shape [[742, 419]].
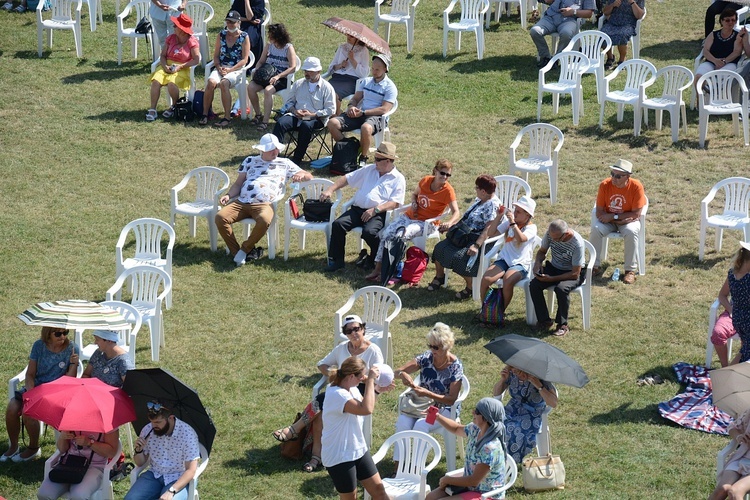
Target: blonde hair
[[441, 335], [47, 332], [443, 163], [351, 366], [739, 259]]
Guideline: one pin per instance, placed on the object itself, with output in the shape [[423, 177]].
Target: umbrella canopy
[[538, 358], [79, 404], [361, 32], [731, 388], [74, 315], [150, 384]]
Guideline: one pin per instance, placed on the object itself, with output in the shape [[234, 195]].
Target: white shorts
[[707, 66], [233, 78]]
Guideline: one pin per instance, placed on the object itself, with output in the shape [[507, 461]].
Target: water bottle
[[472, 260], [616, 274], [399, 269]]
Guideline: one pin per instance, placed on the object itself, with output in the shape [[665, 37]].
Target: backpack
[[415, 265], [183, 110], [198, 104], [345, 157], [492, 313]]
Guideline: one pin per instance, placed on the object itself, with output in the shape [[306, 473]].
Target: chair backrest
[[736, 191], [572, 65], [592, 44], [414, 448], [132, 316], [147, 280], [210, 182], [311, 191], [510, 188], [149, 234], [720, 83], [588, 247], [676, 79], [400, 7], [141, 8], [62, 10], [637, 71], [377, 304], [201, 13], [542, 138], [473, 10]]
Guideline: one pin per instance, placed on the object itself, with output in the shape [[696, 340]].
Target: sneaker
[[545, 325], [629, 278], [240, 257], [20, 9], [255, 254], [7, 6], [561, 331]]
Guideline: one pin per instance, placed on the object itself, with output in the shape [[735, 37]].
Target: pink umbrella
[[361, 32]]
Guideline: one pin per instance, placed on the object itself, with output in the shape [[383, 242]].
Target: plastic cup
[[432, 412]]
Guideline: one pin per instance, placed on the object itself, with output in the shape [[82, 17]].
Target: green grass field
[[78, 162]]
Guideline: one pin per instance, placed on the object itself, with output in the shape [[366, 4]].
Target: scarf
[[494, 414]]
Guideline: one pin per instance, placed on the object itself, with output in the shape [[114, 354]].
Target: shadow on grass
[[624, 413], [691, 259], [675, 49], [107, 73], [31, 54]]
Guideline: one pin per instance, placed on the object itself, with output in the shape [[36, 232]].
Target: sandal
[[151, 115], [20, 9], [8, 6], [436, 283], [262, 126], [283, 435], [610, 62], [169, 112], [464, 294], [256, 120], [203, 120], [313, 464], [225, 122]]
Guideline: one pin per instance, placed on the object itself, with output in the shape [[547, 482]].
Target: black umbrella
[[393, 252], [149, 384], [534, 356]]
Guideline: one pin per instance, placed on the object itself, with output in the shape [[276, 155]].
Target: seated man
[[380, 187], [376, 98], [309, 104], [261, 181], [563, 272], [172, 446], [618, 208], [561, 18]]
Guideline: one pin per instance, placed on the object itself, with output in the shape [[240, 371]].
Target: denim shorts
[[518, 268]]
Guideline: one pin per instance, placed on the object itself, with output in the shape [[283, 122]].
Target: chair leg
[[674, 119], [193, 226], [213, 232], [702, 242], [445, 43], [552, 174]]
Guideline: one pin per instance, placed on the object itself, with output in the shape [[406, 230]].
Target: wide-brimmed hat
[[527, 204], [311, 64], [233, 15], [352, 318], [386, 150], [386, 60], [269, 142], [623, 166], [745, 245], [107, 335], [183, 22]]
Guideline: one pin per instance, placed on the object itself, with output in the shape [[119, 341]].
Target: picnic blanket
[[694, 408]]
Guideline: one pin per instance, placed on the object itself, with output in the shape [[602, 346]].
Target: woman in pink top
[[179, 53]]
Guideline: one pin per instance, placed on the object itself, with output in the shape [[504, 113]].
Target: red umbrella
[[361, 32], [79, 404]]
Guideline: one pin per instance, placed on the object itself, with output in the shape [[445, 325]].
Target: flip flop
[[203, 120], [168, 113], [225, 122], [262, 126]]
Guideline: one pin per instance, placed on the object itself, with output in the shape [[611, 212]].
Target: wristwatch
[[617, 217], [172, 490], [377, 210]]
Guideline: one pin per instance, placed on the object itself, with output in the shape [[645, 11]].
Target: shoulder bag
[[70, 469], [460, 234], [412, 405], [263, 74], [543, 473], [316, 210]]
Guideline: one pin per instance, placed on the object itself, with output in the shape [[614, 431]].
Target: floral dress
[[523, 417], [228, 56], [436, 381], [621, 23], [491, 454], [740, 292]]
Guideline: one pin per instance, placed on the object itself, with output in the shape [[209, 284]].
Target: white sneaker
[[239, 259], [7, 6]]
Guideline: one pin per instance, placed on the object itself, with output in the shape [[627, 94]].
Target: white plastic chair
[[95, 11], [511, 474], [713, 316], [146, 282], [720, 101], [640, 253], [402, 12], [410, 482], [594, 45], [65, 15], [675, 80], [385, 130], [141, 8], [266, 21], [126, 338], [192, 487], [105, 490], [421, 239], [311, 191], [572, 66], [201, 13], [272, 235], [635, 40], [472, 19], [148, 234], [241, 86], [504, 6], [357, 231], [584, 289], [736, 213], [637, 72], [191, 90], [210, 183], [379, 307], [542, 157]]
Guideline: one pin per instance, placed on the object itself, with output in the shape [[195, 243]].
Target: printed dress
[[523, 417], [740, 292]]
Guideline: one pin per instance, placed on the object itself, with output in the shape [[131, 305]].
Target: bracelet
[[139, 451]]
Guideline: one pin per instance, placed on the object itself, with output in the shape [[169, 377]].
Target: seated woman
[[529, 396], [97, 447], [281, 55], [358, 346], [179, 52], [231, 52], [514, 260], [110, 362], [448, 255], [350, 63], [429, 200], [714, 9], [620, 26], [252, 13], [484, 467], [722, 48], [441, 374], [734, 480], [52, 356]]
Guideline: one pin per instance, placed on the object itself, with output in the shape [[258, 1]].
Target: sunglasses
[[349, 331], [378, 160], [444, 174], [617, 176], [60, 333], [434, 347], [155, 407]]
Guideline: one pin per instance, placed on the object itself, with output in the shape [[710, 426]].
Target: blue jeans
[[148, 487]]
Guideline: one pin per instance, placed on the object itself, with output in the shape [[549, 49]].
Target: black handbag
[[70, 469], [183, 110], [144, 26], [263, 74], [317, 211], [460, 234]]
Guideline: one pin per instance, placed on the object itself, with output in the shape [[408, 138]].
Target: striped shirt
[[375, 93], [278, 57], [566, 254]]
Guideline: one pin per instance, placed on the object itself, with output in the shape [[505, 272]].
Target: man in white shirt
[[380, 187], [309, 104], [261, 181], [172, 447]]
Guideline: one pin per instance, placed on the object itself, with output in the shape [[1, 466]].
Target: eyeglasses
[[60, 333], [617, 176], [349, 331], [444, 174], [434, 347], [155, 407], [378, 160], [730, 20]]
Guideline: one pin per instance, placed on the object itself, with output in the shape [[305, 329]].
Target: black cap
[[232, 15]]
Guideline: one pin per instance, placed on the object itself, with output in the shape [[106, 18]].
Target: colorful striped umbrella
[[74, 315]]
